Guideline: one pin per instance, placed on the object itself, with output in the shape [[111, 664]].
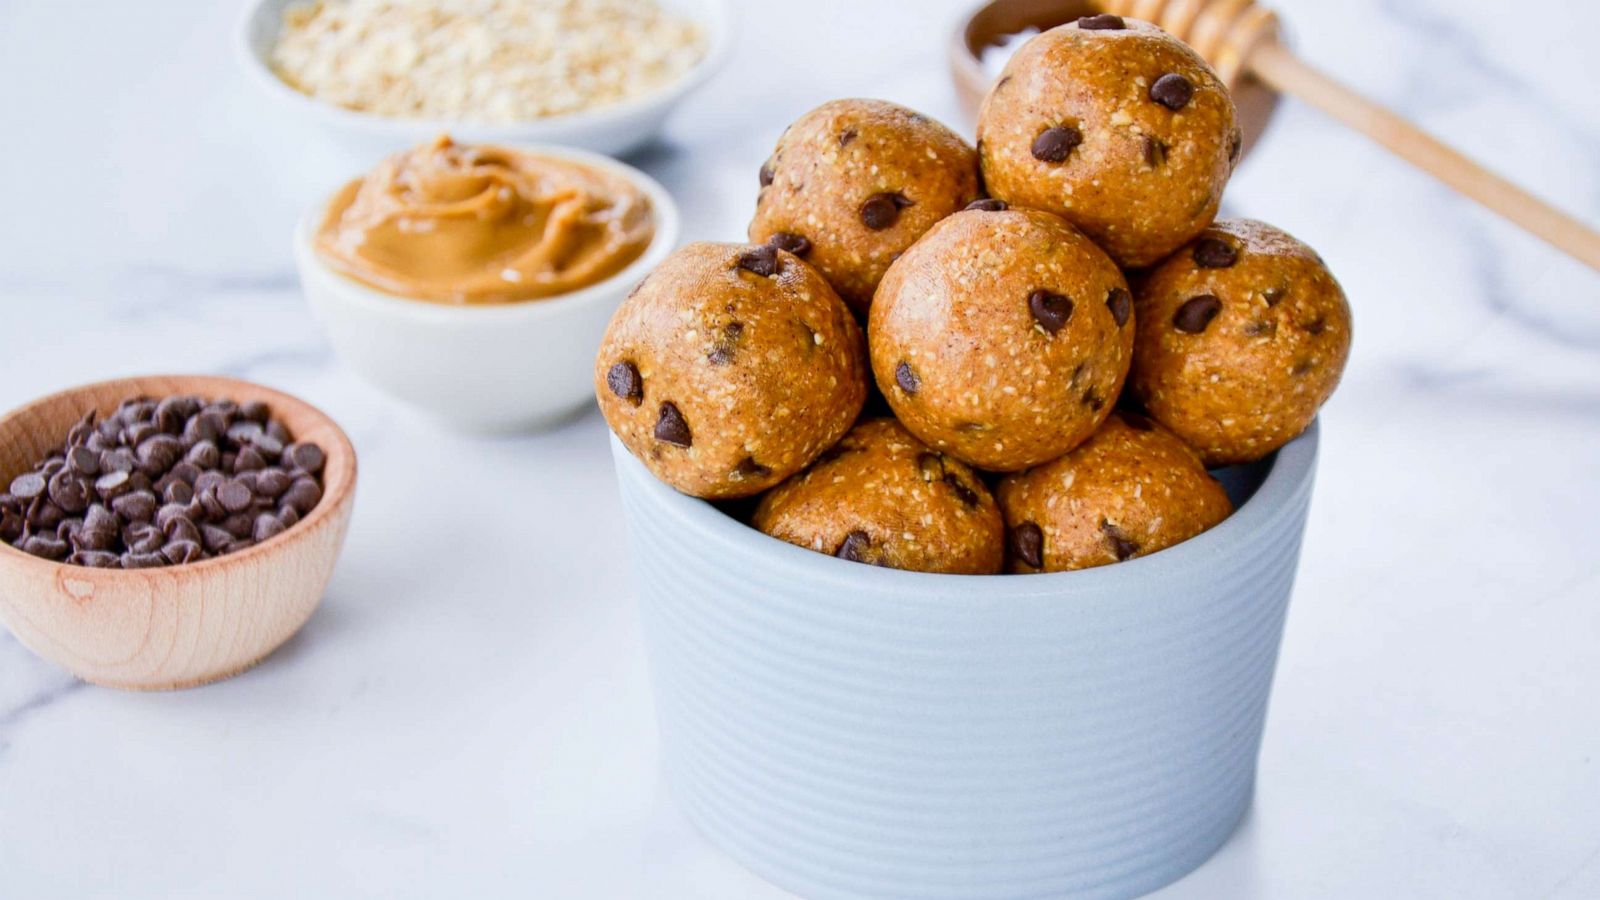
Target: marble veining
[[468, 713]]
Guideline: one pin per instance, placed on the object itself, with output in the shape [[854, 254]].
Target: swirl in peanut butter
[[484, 225]]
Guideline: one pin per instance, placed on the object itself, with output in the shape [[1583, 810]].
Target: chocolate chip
[[1214, 253], [766, 174], [96, 559], [623, 379], [671, 428], [798, 244], [143, 537], [266, 526], [749, 468], [1302, 368], [215, 538], [1135, 421], [135, 506], [1120, 544], [1055, 144], [1274, 295], [1196, 313], [248, 459], [272, 483], [987, 204], [1120, 302], [1155, 151], [1102, 22], [182, 551], [1050, 310], [83, 461], [28, 485], [69, 491], [854, 547], [762, 260], [1261, 329], [303, 495], [931, 465], [234, 496], [1027, 544], [906, 378], [1172, 91], [846, 136], [881, 211], [113, 484], [45, 546], [722, 353], [143, 560], [1093, 401], [1235, 144], [963, 493], [182, 528], [157, 453], [306, 457], [1315, 326]]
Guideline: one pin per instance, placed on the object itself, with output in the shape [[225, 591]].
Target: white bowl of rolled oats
[[600, 75]]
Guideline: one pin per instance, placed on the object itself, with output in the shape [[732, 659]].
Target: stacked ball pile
[[1064, 336]]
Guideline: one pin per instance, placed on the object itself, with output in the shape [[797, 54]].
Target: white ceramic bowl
[[506, 367], [850, 732], [614, 129]]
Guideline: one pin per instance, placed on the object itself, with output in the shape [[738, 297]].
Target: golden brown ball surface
[[730, 368]]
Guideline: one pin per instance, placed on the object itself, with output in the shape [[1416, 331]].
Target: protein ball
[[1242, 335], [1130, 490], [730, 368], [1002, 337], [1125, 131], [854, 182], [882, 497]]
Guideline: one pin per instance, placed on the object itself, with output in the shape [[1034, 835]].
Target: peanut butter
[[484, 225]]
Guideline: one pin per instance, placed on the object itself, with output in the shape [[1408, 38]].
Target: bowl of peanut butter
[[473, 282]]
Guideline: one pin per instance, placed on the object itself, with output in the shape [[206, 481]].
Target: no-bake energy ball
[[730, 368], [1002, 337], [1130, 490], [1116, 125], [854, 182], [1242, 335], [883, 497]]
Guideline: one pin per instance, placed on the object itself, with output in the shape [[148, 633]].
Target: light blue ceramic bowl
[[847, 731]]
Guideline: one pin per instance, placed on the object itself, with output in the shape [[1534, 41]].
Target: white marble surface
[[468, 715]]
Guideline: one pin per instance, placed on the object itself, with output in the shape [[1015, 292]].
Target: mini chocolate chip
[[267, 445], [1056, 143], [234, 496], [70, 492], [1196, 313], [1214, 253], [854, 546], [42, 515], [146, 560], [987, 204], [623, 379], [1315, 326], [113, 485], [182, 528], [1049, 309], [248, 460], [303, 495], [1302, 368], [266, 526], [28, 486], [254, 410], [1027, 544], [798, 244], [1120, 544], [204, 454], [143, 537], [1261, 329], [963, 493], [881, 211], [215, 538], [1102, 22], [1172, 91], [45, 546], [1274, 295], [762, 260], [272, 482], [931, 465], [1093, 401], [239, 525], [96, 559], [83, 461], [135, 506], [1134, 420], [1235, 144], [288, 515], [846, 136], [1120, 302], [906, 378], [306, 457], [722, 353], [766, 174], [671, 428], [182, 551], [1155, 151], [157, 453], [749, 468]]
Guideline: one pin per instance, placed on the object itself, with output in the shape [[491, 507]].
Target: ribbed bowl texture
[[847, 731]]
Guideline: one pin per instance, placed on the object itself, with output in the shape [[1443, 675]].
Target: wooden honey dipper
[[1239, 37]]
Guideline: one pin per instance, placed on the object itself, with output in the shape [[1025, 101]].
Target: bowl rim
[[341, 456], [714, 16], [664, 210], [1289, 476]]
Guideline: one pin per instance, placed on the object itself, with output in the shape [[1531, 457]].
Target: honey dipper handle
[[1273, 64]]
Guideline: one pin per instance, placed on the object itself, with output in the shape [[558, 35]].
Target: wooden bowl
[[177, 626], [992, 21]]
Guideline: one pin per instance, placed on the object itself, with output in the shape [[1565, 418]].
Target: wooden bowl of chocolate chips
[[168, 531]]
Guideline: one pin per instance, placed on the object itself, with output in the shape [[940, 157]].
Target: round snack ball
[[1002, 337], [730, 368], [854, 182], [1242, 335], [1123, 130], [883, 497], [1130, 490]]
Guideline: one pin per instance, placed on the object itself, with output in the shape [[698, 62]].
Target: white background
[[468, 715]]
